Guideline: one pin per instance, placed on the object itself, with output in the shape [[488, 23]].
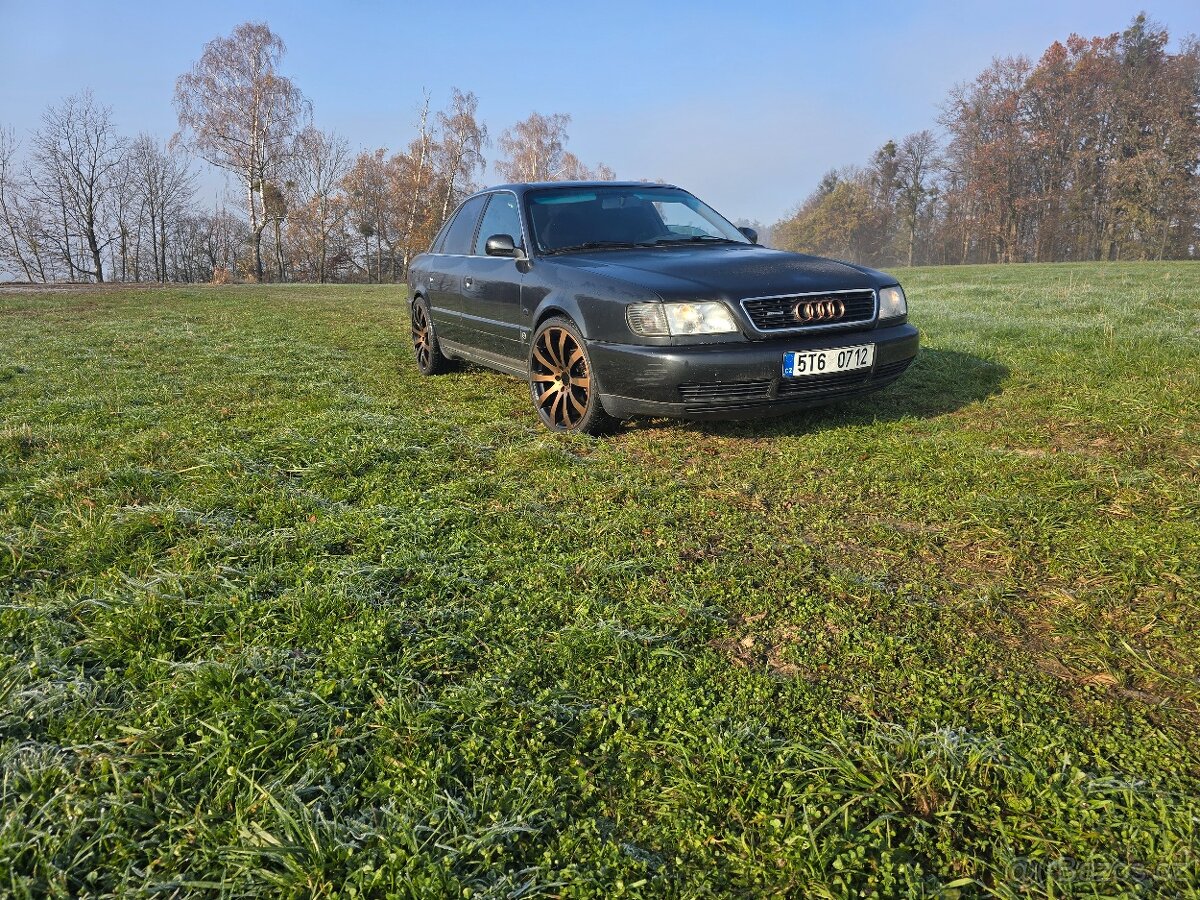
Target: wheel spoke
[[552, 351], [540, 356], [582, 407], [548, 394], [585, 383], [542, 348], [544, 379], [556, 408], [576, 358], [563, 337]]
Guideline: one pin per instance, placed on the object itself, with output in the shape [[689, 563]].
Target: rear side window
[[501, 218], [462, 230], [440, 240]]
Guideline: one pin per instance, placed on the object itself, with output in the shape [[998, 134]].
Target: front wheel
[[562, 382]]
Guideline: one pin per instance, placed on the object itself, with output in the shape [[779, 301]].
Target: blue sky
[[745, 104]]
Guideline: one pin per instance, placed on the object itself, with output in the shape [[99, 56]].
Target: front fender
[[595, 303]]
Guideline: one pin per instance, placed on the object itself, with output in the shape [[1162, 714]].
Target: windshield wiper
[[696, 239], [597, 245]]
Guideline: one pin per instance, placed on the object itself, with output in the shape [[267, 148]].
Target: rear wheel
[[562, 382], [430, 359]]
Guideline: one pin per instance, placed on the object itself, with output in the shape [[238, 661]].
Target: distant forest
[[1091, 154]]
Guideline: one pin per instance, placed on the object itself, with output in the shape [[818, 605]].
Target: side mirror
[[750, 234], [500, 245]]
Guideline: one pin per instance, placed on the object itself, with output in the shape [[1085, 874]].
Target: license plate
[[821, 362]]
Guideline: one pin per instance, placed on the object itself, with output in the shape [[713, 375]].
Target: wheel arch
[[551, 311], [564, 306]]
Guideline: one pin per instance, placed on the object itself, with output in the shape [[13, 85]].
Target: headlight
[[892, 304], [664, 319]]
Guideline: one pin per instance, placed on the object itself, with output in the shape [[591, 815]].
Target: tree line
[[1092, 153], [82, 202]]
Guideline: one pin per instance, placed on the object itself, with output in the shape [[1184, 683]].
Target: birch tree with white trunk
[[237, 112]]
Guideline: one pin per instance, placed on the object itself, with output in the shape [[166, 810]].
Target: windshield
[[597, 217]]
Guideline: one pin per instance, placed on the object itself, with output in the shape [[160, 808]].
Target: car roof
[[522, 187]]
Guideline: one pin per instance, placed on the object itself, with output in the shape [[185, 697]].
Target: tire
[[562, 382], [430, 359]]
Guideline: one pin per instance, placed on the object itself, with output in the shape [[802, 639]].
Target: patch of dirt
[[762, 648], [1035, 642], [1051, 665]]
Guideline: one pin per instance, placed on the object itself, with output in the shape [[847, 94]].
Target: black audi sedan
[[619, 299]]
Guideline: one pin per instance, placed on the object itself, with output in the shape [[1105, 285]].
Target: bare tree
[[535, 150], [163, 182], [276, 205], [916, 161], [18, 243], [319, 164], [236, 111], [126, 213], [459, 153], [217, 236], [574, 170], [76, 154], [372, 205], [412, 180]]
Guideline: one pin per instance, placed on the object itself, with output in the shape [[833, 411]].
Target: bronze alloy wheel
[[421, 333], [561, 381], [429, 354]]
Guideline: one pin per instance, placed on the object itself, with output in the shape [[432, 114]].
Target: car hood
[[730, 271]]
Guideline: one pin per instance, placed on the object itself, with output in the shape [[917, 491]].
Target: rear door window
[[462, 230]]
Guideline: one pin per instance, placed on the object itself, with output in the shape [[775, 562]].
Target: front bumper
[[743, 380]]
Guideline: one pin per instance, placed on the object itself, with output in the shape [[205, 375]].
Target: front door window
[[501, 217]]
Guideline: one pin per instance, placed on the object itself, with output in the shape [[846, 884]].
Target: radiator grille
[[776, 313]]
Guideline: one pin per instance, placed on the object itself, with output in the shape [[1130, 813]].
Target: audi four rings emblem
[[818, 310]]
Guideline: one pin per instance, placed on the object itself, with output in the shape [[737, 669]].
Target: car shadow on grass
[[937, 383]]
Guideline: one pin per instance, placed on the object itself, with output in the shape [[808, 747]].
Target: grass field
[[282, 618]]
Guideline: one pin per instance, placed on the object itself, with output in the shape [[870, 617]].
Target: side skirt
[[505, 364]]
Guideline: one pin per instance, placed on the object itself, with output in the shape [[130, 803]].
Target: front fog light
[[892, 304]]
